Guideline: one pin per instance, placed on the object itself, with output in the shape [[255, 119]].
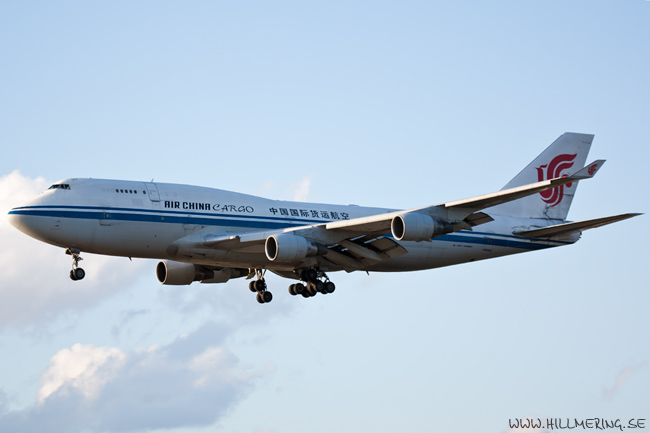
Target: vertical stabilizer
[[564, 156]]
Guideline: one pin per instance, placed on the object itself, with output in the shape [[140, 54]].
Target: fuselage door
[[152, 191]]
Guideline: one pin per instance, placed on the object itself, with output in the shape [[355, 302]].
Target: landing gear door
[[152, 191]]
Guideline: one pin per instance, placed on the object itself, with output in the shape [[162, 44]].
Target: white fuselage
[[138, 219]]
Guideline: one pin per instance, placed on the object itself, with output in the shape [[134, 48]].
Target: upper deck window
[[60, 186]]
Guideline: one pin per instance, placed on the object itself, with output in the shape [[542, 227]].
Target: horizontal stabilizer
[[567, 228]]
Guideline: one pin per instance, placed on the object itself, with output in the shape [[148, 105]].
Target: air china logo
[[592, 169], [554, 169]]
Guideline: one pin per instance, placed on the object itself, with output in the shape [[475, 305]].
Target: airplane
[[211, 235]]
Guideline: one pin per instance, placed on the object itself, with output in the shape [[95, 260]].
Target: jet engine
[[418, 227], [288, 248], [179, 274]]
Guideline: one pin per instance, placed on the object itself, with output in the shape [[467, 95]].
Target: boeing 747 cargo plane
[[210, 235]]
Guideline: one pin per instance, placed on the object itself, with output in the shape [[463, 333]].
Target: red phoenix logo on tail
[[554, 196]]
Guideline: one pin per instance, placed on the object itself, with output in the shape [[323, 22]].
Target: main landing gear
[[315, 282], [76, 273], [312, 282], [259, 286]]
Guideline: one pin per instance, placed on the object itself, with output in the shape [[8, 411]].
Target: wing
[[357, 243], [575, 227], [463, 214]]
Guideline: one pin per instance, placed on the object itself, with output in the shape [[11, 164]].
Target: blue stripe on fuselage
[[254, 222]]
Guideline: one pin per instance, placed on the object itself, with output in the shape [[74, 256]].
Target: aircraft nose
[[15, 218]]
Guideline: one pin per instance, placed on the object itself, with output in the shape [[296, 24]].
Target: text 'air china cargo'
[[210, 235]]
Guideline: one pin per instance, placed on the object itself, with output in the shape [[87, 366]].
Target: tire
[[260, 285], [79, 274], [311, 275]]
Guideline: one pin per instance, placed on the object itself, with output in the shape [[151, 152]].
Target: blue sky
[[374, 103]]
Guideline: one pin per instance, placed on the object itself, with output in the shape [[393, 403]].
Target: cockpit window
[[60, 186]]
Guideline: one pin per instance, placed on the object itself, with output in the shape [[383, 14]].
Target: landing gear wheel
[[311, 275], [296, 289], [251, 286], [264, 297], [329, 287], [260, 285], [79, 274]]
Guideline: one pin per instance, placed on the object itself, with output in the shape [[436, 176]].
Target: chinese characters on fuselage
[[232, 208], [310, 213]]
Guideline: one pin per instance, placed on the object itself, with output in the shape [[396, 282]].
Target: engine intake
[[288, 248], [418, 227]]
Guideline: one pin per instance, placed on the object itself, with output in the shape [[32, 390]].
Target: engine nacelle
[[289, 248], [225, 274], [179, 274], [418, 227]]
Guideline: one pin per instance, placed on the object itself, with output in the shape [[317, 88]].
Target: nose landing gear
[[76, 273]]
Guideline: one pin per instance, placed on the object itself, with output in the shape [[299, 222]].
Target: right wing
[[358, 242], [463, 214]]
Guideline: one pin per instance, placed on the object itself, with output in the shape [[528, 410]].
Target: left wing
[[575, 227]]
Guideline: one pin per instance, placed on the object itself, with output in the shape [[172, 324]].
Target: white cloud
[[34, 283], [79, 367], [191, 382]]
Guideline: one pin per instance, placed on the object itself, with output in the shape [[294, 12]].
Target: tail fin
[[566, 154]]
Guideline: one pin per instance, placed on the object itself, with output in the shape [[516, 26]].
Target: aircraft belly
[[136, 239]]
